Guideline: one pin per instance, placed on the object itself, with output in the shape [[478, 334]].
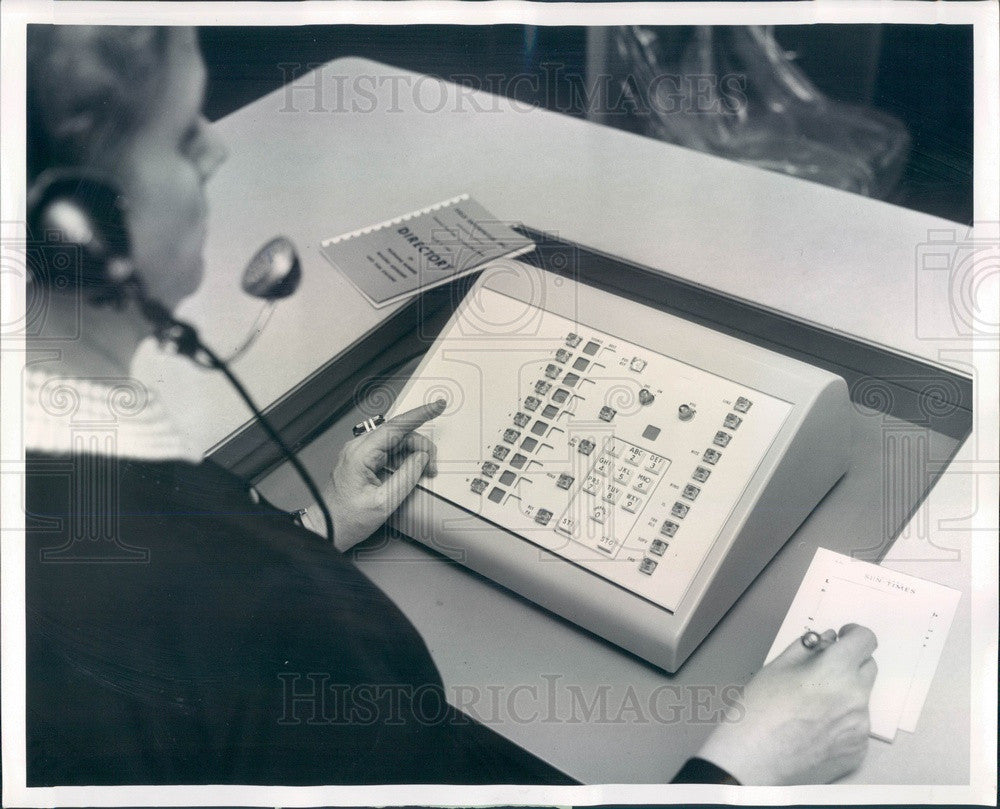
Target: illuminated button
[[607, 413], [500, 452], [643, 483], [586, 446], [581, 364], [542, 516], [496, 495], [711, 456], [701, 474], [518, 460], [669, 528], [560, 395], [611, 494], [623, 475], [479, 485], [507, 477], [635, 456], [742, 405], [645, 397], [732, 421], [531, 403], [552, 371], [603, 465], [679, 510], [529, 444], [565, 481], [690, 492], [511, 436], [521, 419], [599, 514], [567, 525], [637, 364], [592, 485], [490, 469], [647, 565], [632, 503], [591, 348], [656, 464], [539, 427], [658, 546], [685, 412], [721, 439], [613, 447], [573, 340], [549, 411], [571, 379], [562, 355], [542, 387]]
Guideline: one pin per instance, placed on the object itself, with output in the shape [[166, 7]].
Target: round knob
[[685, 412], [645, 397]]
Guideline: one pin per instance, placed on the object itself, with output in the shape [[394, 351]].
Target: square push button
[[586, 446], [647, 565], [549, 411], [539, 427], [591, 348], [552, 371], [511, 436], [507, 477], [571, 379], [581, 364], [658, 546], [573, 340], [564, 481], [560, 395], [521, 419], [711, 456], [651, 433], [607, 413], [562, 355], [531, 403], [490, 469], [637, 364], [742, 405], [518, 460], [701, 474], [732, 421], [479, 485], [496, 495], [529, 444], [669, 528], [542, 516], [721, 439]]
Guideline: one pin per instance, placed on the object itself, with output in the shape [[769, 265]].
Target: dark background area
[[921, 74]]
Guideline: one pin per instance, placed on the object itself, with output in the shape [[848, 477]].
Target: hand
[[362, 492], [806, 714]]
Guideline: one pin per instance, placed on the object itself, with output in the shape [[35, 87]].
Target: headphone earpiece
[[76, 223]]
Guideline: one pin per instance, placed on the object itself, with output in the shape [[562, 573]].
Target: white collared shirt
[[109, 416]]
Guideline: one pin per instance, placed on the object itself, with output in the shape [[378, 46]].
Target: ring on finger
[[811, 639]]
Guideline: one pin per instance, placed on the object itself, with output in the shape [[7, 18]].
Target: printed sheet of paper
[[909, 616], [420, 250]]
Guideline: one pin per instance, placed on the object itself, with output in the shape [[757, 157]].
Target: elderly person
[[181, 630]]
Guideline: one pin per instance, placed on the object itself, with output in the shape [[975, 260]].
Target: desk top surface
[[357, 143]]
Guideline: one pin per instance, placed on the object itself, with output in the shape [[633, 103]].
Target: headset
[[77, 222]]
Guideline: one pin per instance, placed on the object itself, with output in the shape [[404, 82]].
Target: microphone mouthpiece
[[274, 272]]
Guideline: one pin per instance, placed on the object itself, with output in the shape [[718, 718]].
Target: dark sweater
[[180, 632]]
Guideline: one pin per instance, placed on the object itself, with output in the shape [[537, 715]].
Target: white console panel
[[621, 466]]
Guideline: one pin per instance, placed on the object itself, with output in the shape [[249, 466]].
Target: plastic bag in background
[[732, 91]]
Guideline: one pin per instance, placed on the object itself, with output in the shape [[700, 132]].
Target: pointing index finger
[[386, 437]]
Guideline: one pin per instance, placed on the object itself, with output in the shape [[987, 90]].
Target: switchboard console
[[623, 467]]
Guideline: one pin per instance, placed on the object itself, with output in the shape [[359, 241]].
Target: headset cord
[[185, 341]]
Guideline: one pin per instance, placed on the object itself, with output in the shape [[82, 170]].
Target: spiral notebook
[[417, 251]]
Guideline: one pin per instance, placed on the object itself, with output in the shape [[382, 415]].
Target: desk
[[357, 142]]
